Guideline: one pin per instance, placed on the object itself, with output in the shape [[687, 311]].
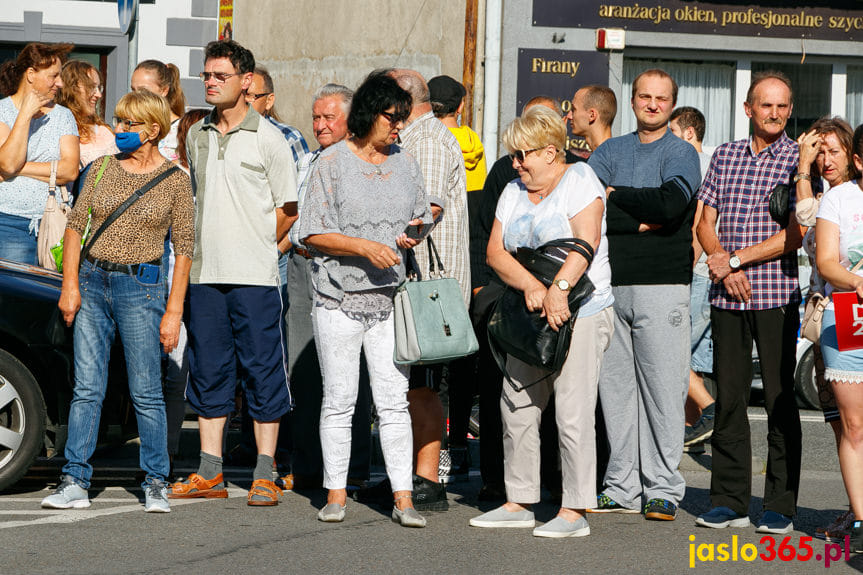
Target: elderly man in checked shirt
[[755, 295]]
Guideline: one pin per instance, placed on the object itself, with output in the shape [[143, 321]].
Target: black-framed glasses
[[219, 77], [256, 97], [522, 154], [126, 123]]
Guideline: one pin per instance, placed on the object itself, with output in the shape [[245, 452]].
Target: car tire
[[804, 381], [22, 419]]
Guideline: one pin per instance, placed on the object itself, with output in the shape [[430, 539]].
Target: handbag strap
[[136, 195], [433, 249], [576, 244], [857, 265]]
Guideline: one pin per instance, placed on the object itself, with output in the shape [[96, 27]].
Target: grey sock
[[210, 466], [264, 468]]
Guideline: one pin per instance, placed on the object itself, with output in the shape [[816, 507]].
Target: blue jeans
[[17, 240], [116, 301]]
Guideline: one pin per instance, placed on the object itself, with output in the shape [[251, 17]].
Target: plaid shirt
[[299, 148], [304, 168], [439, 156], [738, 186]]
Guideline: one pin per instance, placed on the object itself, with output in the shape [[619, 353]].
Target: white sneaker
[[68, 495], [156, 498]]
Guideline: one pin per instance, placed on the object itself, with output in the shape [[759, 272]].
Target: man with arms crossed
[[753, 263], [246, 192], [652, 177]]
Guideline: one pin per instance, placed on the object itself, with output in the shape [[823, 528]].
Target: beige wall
[[307, 43]]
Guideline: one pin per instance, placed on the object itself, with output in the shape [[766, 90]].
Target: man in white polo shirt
[[244, 177]]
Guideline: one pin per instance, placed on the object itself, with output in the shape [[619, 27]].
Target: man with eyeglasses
[[651, 178], [244, 176], [262, 97]]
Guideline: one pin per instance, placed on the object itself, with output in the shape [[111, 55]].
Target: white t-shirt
[[844, 207], [527, 224]]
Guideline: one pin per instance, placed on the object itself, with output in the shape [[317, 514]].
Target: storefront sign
[[558, 74], [849, 321], [834, 20], [226, 19]]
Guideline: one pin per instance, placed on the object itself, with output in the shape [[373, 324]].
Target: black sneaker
[[381, 493], [458, 468], [660, 510], [855, 543], [428, 495], [702, 430], [492, 492]]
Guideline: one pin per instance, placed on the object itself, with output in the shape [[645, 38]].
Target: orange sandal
[[196, 486], [264, 488]]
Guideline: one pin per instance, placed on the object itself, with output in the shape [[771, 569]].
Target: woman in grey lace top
[[362, 194]]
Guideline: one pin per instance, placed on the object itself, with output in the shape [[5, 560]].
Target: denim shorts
[[701, 337], [839, 365]]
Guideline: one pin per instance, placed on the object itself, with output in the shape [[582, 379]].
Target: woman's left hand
[[555, 307], [169, 330], [406, 243]]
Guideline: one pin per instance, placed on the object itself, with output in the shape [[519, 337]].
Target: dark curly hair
[[377, 94], [241, 58]]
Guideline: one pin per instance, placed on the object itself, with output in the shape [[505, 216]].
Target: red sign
[[849, 321]]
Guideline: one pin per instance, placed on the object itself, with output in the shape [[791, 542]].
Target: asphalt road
[[227, 536]]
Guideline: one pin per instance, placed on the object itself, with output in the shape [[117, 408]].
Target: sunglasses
[[392, 118], [127, 124], [522, 154], [256, 97], [219, 77]]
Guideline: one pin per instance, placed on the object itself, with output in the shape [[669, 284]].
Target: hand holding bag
[[432, 324], [53, 223], [810, 327], [526, 335]]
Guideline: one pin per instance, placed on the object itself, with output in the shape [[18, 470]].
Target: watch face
[[563, 284], [734, 262]]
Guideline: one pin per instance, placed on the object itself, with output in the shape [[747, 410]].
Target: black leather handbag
[[525, 335]]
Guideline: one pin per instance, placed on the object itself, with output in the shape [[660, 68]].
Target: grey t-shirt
[[349, 196]]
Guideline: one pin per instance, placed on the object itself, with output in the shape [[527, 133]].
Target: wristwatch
[[563, 285], [801, 176], [734, 262]]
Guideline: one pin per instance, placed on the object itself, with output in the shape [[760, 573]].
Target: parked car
[[36, 373]]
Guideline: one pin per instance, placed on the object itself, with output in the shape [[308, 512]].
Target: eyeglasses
[[127, 124], [392, 118], [219, 77], [522, 154], [256, 97]]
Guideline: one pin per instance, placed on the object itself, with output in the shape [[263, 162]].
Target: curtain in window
[[707, 86], [854, 96]]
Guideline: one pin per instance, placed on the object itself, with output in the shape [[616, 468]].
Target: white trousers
[[339, 340]]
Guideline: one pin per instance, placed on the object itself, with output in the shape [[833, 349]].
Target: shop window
[[811, 85], [708, 86]]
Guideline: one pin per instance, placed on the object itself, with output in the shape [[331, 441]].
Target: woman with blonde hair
[[82, 89], [551, 200], [164, 80], [120, 287]]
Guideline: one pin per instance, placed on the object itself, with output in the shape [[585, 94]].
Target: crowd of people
[[214, 242]]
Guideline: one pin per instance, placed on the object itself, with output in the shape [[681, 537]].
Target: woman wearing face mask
[[121, 283], [825, 152], [164, 80], [81, 92], [34, 131]]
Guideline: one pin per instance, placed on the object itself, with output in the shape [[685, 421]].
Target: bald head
[[546, 101], [413, 83]]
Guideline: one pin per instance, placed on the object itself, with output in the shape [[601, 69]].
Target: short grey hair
[[412, 82], [328, 90]]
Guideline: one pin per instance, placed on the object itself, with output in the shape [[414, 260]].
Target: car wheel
[[804, 381], [22, 419]]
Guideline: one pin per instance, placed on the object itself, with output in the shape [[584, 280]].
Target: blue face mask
[[128, 142]]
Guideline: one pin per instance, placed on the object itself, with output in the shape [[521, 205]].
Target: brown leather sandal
[[264, 488], [196, 486]]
